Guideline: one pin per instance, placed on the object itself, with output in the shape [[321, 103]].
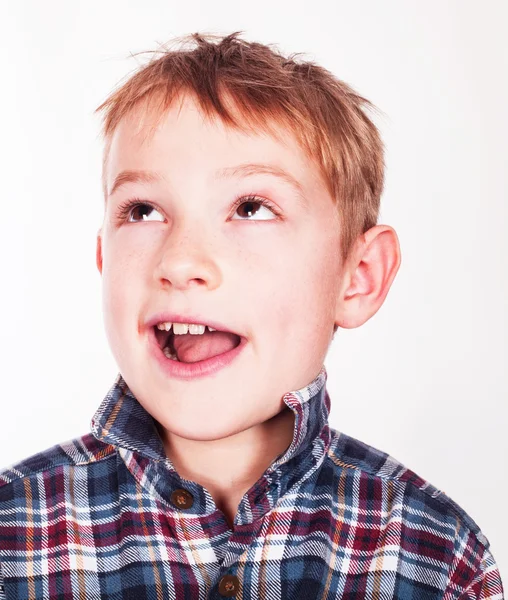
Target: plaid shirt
[[106, 515]]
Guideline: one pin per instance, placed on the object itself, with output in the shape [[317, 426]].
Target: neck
[[229, 467]]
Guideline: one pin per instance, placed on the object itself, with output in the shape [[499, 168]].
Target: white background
[[426, 379]]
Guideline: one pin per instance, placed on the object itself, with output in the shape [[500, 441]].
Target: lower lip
[[202, 368]]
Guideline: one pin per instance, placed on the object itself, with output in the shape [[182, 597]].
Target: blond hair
[[325, 114]]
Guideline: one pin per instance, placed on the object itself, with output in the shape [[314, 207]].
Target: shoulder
[[436, 539], [83, 451], [419, 497]]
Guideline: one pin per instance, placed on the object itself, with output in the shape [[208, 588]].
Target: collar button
[[182, 498]]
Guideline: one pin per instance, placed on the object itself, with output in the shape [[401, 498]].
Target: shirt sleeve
[[486, 584]]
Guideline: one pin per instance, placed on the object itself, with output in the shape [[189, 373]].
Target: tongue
[[191, 348]]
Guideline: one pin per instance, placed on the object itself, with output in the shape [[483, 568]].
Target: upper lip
[[166, 317]]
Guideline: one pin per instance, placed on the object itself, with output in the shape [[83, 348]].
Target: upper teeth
[[182, 328]]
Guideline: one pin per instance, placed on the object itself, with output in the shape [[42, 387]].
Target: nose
[[186, 259]]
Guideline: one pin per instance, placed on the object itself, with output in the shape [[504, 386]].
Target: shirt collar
[[122, 422]]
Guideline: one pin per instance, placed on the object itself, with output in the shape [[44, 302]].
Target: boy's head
[[199, 139]]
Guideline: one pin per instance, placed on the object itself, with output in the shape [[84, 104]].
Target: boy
[[210, 470]]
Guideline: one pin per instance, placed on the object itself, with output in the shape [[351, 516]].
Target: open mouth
[[190, 347], [165, 339]]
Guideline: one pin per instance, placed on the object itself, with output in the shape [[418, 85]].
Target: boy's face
[[273, 279]]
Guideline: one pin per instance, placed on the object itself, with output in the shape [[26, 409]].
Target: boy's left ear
[[98, 251], [368, 274]]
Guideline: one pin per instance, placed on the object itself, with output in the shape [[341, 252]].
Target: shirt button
[[182, 498], [229, 585]]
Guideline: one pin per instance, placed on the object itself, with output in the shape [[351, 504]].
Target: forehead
[[183, 138]]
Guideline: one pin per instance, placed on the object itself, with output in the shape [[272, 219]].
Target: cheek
[[289, 294], [120, 291], [308, 292]]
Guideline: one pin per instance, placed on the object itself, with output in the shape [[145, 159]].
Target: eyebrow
[[246, 169], [261, 169], [134, 177]]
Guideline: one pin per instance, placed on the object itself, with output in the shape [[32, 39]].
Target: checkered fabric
[[106, 515]]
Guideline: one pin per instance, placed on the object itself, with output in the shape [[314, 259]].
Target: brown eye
[[142, 212], [250, 206], [247, 209], [134, 211]]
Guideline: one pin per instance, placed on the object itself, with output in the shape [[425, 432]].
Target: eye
[[248, 204], [135, 208]]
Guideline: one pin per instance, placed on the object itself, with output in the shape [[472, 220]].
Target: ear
[[369, 271], [98, 252]]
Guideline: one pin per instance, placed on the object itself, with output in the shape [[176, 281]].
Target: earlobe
[[369, 276], [98, 253]]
